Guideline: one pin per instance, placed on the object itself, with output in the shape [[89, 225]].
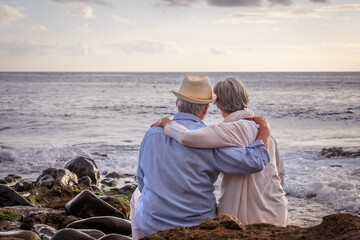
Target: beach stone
[[85, 180], [2, 181], [339, 152], [19, 234], [109, 182], [9, 179], [14, 176], [86, 204], [113, 175], [56, 177], [115, 236], [106, 224], [93, 233], [69, 233], [44, 231], [8, 197], [24, 186], [84, 166], [126, 190]]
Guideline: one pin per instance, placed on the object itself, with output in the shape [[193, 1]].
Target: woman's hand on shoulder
[[161, 122]]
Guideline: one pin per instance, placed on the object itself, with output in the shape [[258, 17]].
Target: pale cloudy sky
[[179, 35]]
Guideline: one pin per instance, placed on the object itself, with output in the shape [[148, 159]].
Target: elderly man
[[177, 182]]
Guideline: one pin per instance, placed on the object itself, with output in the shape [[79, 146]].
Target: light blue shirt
[[177, 182]]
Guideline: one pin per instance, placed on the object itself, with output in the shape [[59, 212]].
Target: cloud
[[10, 48], [217, 51], [148, 47], [319, 1], [177, 3], [9, 14], [120, 19], [339, 8], [39, 28], [265, 17], [234, 3], [83, 7], [285, 3]]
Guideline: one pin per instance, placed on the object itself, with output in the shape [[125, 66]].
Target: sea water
[[46, 119]]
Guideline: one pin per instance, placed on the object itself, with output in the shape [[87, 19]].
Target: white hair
[[187, 107]]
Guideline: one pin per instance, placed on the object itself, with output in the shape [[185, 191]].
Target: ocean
[[46, 119]]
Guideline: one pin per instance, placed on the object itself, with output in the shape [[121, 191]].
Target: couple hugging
[[180, 160]]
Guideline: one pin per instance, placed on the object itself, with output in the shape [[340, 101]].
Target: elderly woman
[[255, 198]]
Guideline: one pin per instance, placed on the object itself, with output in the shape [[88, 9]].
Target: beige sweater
[[254, 198]]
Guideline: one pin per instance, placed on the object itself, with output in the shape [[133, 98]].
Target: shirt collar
[[187, 116]]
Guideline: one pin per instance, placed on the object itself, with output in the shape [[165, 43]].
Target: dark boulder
[[56, 177], [9, 197], [105, 224], [19, 234], [113, 175], [85, 180], [24, 186], [69, 233], [109, 182], [115, 236], [86, 204], [45, 232], [93, 233], [84, 166]]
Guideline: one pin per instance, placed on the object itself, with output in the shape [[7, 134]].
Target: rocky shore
[[72, 203]]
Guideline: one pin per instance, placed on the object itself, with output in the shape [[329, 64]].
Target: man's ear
[[176, 103]]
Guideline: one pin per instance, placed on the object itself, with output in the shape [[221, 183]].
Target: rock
[[115, 236], [14, 176], [339, 152], [55, 197], [336, 165], [44, 231], [126, 190], [105, 224], [2, 181], [9, 179], [109, 182], [86, 204], [19, 234], [84, 166], [9, 197], [99, 154], [93, 233], [336, 226], [113, 175], [85, 180], [24, 186], [69, 233], [56, 177], [120, 202]]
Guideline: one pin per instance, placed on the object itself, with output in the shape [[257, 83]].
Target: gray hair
[[232, 95], [187, 107]]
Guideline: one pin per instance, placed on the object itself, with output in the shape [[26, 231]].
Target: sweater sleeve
[[215, 136]]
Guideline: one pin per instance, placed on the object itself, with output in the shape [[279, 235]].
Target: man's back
[[176, 181]]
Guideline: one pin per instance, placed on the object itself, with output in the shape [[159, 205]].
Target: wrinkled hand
[[161, 122], [263, 123], [264, 131]]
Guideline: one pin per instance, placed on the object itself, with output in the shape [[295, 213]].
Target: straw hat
[[195, 88]]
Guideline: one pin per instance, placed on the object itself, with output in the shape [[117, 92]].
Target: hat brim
[[193, 100]]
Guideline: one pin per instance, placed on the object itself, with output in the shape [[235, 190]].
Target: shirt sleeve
[[215, 136], [242, 160], [140, 172]]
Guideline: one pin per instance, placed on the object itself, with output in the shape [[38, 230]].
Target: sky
[[179, 35]]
